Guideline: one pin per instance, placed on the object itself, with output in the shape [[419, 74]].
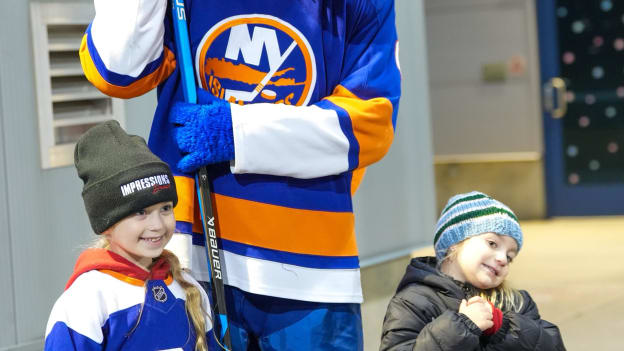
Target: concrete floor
[[573, 268]]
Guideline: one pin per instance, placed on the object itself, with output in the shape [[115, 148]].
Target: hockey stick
[[185, 64]]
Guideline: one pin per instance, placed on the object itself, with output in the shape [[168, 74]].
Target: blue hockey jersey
[[100, 308], [314, 88]]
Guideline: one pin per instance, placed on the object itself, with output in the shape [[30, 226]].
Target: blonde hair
[[503, 296], [193, 304]]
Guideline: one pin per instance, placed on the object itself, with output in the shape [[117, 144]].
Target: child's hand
[[478, 310]]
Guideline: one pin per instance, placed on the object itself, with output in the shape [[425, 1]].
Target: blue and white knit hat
[[471, 214]]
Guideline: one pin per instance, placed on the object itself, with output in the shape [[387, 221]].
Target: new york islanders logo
[[256, 58]]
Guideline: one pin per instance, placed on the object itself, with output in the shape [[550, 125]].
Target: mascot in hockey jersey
[[297, 98]]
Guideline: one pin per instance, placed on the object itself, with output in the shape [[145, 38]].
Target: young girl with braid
[[458, 300], [127, 292]]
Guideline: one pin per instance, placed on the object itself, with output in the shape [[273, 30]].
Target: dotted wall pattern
[[591, 50]]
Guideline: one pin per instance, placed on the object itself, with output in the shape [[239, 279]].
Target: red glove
[[497, 318]]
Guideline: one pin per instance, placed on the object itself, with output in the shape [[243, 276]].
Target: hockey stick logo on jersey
[[256, 58]]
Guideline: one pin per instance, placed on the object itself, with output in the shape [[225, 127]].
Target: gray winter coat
[[423, 315]]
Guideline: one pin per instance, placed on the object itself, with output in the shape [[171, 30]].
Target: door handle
[[555, 87]]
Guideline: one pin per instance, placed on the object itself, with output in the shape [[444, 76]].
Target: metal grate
[[68, 104]]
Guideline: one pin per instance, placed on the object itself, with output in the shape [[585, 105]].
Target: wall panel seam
[[6, 203]]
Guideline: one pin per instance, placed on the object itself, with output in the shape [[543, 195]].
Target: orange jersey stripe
[[286, 229], [185, 209], [371, 121], [276, 227], [356, 178], [135, 89]]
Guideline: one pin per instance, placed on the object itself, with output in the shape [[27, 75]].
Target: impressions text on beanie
[[120, 174], [471, 214]]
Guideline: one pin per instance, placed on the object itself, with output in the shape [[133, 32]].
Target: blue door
[[581, 46]]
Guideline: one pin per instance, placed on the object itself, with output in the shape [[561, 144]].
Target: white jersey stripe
[[283, 280]]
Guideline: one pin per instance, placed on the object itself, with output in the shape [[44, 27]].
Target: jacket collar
[[424, 271], [102, 259]]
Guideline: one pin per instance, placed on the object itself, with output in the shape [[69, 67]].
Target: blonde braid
[[193, 304]]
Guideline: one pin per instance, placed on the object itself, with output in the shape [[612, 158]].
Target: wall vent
[[67, 103]]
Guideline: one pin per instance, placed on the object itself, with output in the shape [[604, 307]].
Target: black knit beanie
[[120, 174]]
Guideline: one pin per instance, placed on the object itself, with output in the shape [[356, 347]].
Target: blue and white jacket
[[102, 302], [314, 88]]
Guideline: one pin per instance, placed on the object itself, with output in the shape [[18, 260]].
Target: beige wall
[[518, 184], [487, 129]]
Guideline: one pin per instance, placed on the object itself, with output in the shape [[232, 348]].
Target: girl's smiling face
[[142, 236], [482, 260]]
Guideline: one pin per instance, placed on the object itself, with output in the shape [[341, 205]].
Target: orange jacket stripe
[[130, 280]]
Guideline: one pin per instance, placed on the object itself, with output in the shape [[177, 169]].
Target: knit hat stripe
[[498, 216], [470, 206], [472, 215], [464, 199], [466, 207]]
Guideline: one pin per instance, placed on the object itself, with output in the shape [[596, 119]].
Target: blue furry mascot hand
[[203, 131]]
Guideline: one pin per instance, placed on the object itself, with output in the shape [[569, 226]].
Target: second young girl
[[127, 292], [458, 300]]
